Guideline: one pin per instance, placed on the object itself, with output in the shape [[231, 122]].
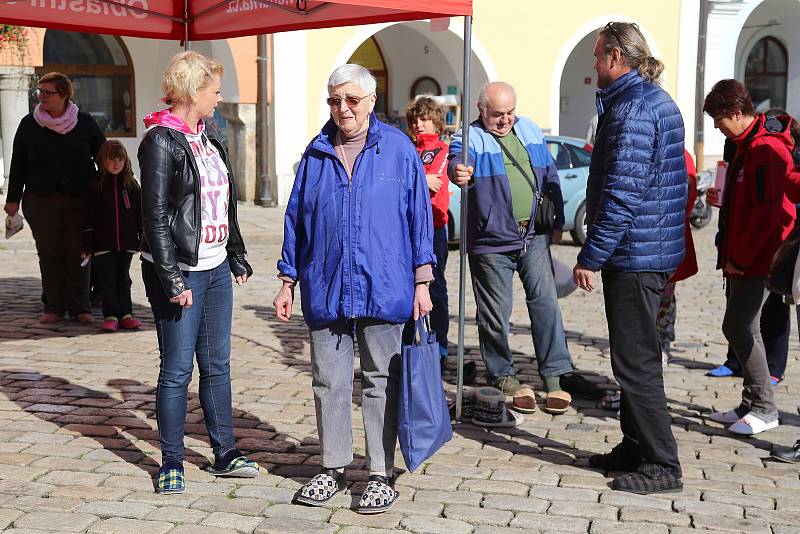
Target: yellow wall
[[524, 40]]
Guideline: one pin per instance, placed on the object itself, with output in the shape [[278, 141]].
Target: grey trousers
[[332, 361], [742, 329]]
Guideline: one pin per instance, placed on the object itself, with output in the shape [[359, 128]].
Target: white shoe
[[727, 418], [750, 425]]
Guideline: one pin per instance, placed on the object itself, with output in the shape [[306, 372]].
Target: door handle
[[571, 176]]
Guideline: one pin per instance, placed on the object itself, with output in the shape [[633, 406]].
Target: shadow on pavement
[[22, 306]]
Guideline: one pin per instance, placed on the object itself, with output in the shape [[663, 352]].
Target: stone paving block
[[200, 529], [7, 517], [564, 494], [120, 525], [141, 483], [732, 524], [22, 473], [431, 509], [515, 504], [587, 510], [182, 500], [292, 511], [31, 503], [648, 515], [56, 521], [449, 497], [72, 478], [740, 499], [481, 529], [602, 526], [548, 523], [365, 530], [435, 525], [429, 482], [502, 487], [239, 523], [105, 509], [528, 476], [176, 514], [708, 508], [54, 463], [54, 449], [268, 493], [477, 516], [623, 499], [285, 525], [594, 483], [773, 516], [239, 505], [348, 517], [18, 487], [783, 529]]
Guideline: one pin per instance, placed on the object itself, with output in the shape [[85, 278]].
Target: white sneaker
[[727, 418], [750, 425]]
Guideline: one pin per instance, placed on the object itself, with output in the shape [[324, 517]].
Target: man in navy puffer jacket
[[636, 200]]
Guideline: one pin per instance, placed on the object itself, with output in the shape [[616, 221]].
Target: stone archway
[[577, 90]]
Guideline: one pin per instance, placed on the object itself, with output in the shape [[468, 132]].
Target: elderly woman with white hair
[[358, 238], [191, 249]]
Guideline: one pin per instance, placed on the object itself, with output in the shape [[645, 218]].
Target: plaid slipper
[[649, 478], [170, 480], [378, 497], [322, 488], [238, 467]]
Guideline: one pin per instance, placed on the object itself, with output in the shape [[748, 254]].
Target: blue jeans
[[440, 314], [492, 283], [203, 329]]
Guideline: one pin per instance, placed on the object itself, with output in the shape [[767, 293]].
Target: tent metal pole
[[185, 25], [462, 236]]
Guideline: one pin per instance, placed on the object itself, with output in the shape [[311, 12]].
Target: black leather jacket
[[171, 213]]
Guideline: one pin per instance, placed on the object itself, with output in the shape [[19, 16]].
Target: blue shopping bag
[[423, 420]]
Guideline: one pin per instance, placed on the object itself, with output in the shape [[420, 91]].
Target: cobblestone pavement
[[78, 440]]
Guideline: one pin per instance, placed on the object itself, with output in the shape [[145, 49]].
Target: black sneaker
[[790, 455], [649, 478], [577, 386], [623, 457]]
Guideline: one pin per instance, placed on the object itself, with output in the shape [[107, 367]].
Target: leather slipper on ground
[[557, 402], [524, 400]]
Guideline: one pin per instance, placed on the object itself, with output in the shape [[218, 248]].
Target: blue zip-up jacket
[[491, 226], [353, 247], [637, 189]]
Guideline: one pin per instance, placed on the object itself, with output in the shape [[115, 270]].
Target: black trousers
[[113, 276], [631, 302], [776, 327]]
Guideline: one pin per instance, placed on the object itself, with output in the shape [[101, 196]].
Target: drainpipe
[[700, 86], [266, 186]]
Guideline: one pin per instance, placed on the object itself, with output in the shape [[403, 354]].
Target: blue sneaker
[[722, 371], [774, 380]]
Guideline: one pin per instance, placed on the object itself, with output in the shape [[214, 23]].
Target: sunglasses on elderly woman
[[351, 101]]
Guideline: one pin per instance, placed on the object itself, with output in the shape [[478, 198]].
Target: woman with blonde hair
[[190, 249]]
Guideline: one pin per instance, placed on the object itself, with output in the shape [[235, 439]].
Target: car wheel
[[579, 230]]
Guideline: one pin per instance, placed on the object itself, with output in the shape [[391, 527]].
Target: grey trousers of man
[[332, 361], [742, 329]]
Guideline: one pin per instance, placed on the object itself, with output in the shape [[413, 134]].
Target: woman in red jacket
[[425, 121], [755, 218]]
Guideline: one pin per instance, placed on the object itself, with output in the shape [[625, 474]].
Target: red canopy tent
[[196, 20]]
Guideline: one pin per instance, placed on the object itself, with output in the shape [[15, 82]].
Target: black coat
[[113, 217], [44, 162], [171, 210]]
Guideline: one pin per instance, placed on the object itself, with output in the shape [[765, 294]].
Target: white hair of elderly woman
[[351, 73]]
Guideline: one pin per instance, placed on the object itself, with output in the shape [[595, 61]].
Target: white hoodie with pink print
[[214, 191]]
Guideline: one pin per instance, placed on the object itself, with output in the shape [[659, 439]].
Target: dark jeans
[[775, 330], [492, 283], [440, 314], [112, 271], [57, 226], [204, 330], [631, 302], [742, 329]]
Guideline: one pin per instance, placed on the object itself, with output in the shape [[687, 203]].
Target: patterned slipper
[[238, 467], [170, 480], [378, 497], [322, 488]]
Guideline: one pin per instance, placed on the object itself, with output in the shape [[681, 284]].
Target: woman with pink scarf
[[52, 168]]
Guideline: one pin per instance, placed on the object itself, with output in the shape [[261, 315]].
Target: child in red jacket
[[426, 123], [112, 234]]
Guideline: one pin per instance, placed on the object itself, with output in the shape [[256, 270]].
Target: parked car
[[572, 157]]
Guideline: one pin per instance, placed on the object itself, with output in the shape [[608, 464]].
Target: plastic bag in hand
[[13, 224]]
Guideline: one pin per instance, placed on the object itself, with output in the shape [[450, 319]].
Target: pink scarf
[[62, 124]]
